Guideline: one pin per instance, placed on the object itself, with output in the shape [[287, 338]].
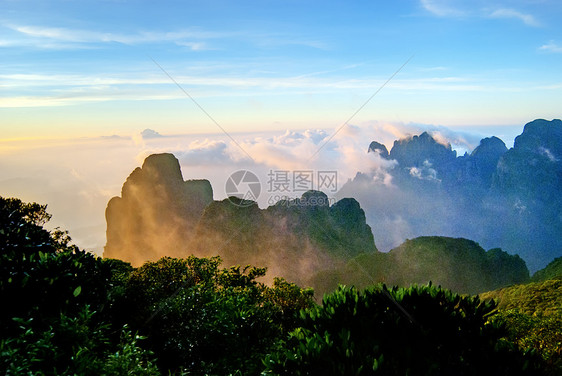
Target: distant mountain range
[[502, 198], [499, 197]]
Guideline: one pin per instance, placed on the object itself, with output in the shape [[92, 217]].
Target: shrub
[[420, 330]]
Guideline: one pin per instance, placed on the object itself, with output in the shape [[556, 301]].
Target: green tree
[[57, 301], [204, 319]]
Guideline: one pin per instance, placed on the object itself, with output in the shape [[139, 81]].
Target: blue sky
[[83, 68]]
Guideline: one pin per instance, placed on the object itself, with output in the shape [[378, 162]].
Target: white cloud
[[150, 133], [26, 101], [551, 47], [424, 172], [441, 8], [527, 19], [479, 9], [46, 37], [38, 90], [194, 46]]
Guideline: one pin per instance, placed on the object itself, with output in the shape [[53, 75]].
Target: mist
[[76, 178]]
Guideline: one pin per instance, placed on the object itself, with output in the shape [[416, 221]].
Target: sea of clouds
[[77, 177]]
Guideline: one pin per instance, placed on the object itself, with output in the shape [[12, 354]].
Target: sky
[[80, 81]]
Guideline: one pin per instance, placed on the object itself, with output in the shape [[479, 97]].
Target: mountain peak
[[415, 151], [539, 135], [376, 147]]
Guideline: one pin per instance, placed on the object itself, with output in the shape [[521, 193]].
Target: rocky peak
[[490, 148], [157, 209], [376, 147], [415, 151], [541, 136]]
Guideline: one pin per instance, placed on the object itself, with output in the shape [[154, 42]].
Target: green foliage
[[457, 264], [81, 316], [56, 299], [130, 358], [402, 331], [533, 299], [207, 320], [51, 282], [551, 271], [69, 345], [53, 276], [532, 314], [540, 334], [73, 346]]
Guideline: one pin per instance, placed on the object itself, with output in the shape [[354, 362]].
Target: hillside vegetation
[[551, 271], [457, 264], [84, 315], [534, 299], [532, 315]]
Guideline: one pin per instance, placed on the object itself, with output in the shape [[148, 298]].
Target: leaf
[[77, 291]]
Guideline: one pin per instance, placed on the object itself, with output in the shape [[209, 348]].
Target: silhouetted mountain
[[457, 264], [309, 241], [293, 238], [422, 150], [157, 211], [158, 214], [376, 147], [532, 169], [478, 167], [501, 198]]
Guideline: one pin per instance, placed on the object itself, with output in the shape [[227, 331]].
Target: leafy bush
[[421, 330], [207, 320], [73, 346], [57, 300], [130, 358], [541, 334]]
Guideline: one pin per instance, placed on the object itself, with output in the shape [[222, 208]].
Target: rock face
[[157, 210], [158, 214]]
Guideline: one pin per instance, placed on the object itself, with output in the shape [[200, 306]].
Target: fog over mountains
[[495, 196], [498, 198], [159, 214]]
